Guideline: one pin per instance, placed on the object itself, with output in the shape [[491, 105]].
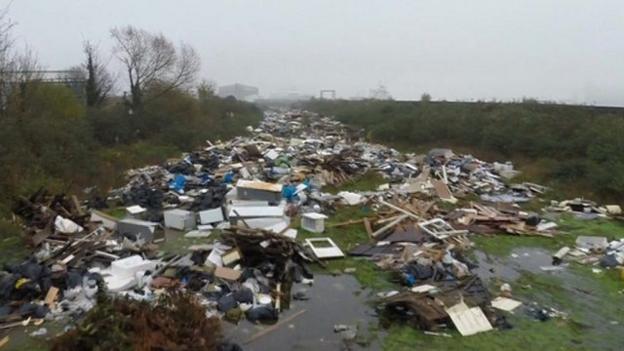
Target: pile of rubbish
[[585, 209], [501, 218], [593, 250], [426, 254], [240, 198]]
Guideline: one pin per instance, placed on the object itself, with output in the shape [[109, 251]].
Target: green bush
[[49, 138]]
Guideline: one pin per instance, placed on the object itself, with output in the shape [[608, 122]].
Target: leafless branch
[[152, 60]]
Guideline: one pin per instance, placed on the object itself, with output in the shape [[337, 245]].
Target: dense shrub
[[49, 138]]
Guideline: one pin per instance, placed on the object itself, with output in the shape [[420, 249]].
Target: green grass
[[526, 334], [367, 182], [13, 250], [593, 302], [178, 244], [612, 229], [12, 244], [117, 212], [502, 244], [543, 288], [610, 281]]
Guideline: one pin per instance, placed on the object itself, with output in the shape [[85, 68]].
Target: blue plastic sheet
[[288, 192], [205, 179], [228, 178], [178, 183]]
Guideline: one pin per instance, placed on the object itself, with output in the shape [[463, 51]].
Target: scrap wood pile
[[434, 308], [336, 169], [258, 246], [238, 198], [426, 253], [502, 218]]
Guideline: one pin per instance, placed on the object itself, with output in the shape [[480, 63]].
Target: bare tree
[[7, 59], [16, 69], [26, 67], [6, 40], [152, 60], [99, 81]]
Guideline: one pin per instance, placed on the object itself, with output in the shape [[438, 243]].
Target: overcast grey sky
[[564, 50]]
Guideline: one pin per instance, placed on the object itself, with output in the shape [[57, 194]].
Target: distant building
[[239, 91]]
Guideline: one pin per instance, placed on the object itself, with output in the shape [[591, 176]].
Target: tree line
[[66, 136], [579, 150]]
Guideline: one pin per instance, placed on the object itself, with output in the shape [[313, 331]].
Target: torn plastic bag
[[264, 314], [229, 346], [243, 295], [6, 286], [33, 310], [226, 303], [73, 279], [66, 226]]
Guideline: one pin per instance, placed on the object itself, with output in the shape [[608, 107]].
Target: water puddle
[[533, 260], [333, 300], [591, 307]]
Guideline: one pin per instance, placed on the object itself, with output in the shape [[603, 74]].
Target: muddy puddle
[[592, 306], [533, 260], [333, 300]]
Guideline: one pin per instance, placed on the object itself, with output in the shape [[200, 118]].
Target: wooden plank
[[443, 191], [413, 215], [76, 204], [367, 226], [468, 321], [4, 341], [51, 296], [389, 226], [346, 223], [386, 220], [227, 273]]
